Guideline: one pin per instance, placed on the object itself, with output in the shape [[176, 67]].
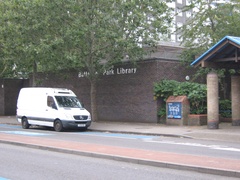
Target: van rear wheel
[[25, 124], [58, 126]]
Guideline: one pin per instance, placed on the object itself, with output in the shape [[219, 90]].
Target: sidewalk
[[226, 131]]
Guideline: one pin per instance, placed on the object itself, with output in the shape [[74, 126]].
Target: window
[[179, 38], [189, 14], [68, 102], [50, 102], [179, 1], [179, 12], [188, 2], [179, 24]]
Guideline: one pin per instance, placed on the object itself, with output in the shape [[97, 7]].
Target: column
[[235, 93], [212, 101]]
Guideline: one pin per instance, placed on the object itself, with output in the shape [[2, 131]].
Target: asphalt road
[[23, 163], [204, 148], [185, 152]]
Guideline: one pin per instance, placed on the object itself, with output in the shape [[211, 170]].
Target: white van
[[52, 107]]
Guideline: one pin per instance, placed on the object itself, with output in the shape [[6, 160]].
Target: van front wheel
[[25, 124], [58, 126]]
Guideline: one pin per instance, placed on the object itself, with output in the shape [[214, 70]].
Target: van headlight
[[69, 116]]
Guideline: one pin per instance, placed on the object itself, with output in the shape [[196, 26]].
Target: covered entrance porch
[[224, 54]]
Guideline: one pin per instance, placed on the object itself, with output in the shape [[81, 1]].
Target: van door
[[51, 111], [51, 103]]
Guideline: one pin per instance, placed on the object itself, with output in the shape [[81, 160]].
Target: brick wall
[[126, 93], [1, 97], [9, 89]]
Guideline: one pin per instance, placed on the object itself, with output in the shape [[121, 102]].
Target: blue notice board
[[174, 110]]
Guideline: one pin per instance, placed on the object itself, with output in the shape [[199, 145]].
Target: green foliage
[[164, 89], [210, 22], [51, 35], [196, 93], [225, 109], [43, 35], [31, 37], [162, 112]]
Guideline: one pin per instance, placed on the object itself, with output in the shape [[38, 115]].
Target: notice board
[[174, 110]]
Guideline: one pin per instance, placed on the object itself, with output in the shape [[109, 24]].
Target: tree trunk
[[34, 74], [94, 100]]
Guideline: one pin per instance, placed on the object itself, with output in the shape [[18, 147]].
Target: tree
[[210, 22], [6, 37], [81, 34], [104, 32], [31, 36]]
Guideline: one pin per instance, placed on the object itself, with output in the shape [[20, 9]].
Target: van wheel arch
[[25, 124], [58, 126]]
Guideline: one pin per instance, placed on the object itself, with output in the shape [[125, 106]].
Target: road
[[165, 144], [23, 163], [221, 152]]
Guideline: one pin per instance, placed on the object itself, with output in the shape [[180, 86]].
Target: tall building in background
[[170, 45], [180, 18]]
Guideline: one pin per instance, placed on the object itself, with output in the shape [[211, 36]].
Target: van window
[[50, 102], [68, 101]]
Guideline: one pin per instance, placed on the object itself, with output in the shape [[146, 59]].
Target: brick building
[[9, 89], [125, 92]]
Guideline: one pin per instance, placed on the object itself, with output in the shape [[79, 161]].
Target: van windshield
[[68, 102]]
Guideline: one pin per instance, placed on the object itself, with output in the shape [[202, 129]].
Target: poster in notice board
[[174, 110]]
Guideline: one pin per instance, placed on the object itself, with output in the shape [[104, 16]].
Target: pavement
[[226, 132]]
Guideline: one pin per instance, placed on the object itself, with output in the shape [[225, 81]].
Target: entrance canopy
[[224, 54]]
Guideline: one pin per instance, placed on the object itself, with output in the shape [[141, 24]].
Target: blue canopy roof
[[225, 48]]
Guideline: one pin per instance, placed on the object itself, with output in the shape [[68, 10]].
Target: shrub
[[196, 93], [225, 108]]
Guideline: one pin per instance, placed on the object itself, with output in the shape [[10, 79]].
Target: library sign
[[112, 71]]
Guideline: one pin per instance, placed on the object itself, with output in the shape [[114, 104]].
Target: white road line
[[116, 135], [216, 147], [25, 133]]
